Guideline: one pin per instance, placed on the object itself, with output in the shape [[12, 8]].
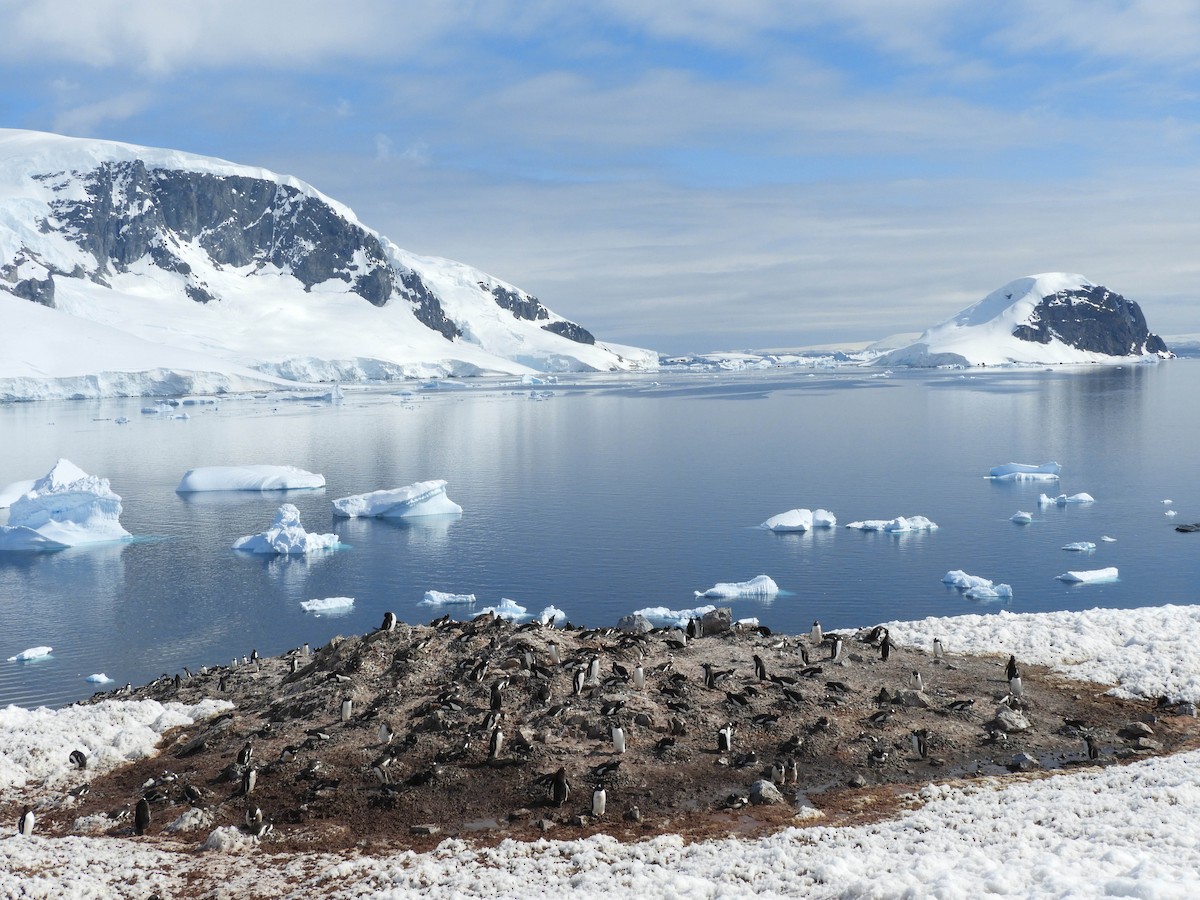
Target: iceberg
[[506, 609], [1080, 546], [1024, 472], [64, 508], [1021, 518], [976, 588], [1090, 576], [286, 536], [761, 586], [31, 653], [328, 604], [10, 492], [442, 598], [98, 678], [424, 498], [898, 525], [800, 520], [1063, 499], [672, 618], [248, 478], [552, 612]]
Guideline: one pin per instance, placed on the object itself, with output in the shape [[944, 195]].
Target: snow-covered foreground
[[1125, 831]]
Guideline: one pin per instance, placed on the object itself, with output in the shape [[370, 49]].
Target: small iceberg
[[1024, 472], [1090, 576], [1080, 546], [552, 612], [506, 609], [442, 598], [898, 525], [98, 678], [663, 617], [286, 536], [66, 507], [328, 604], [424, 498], [1063, 499], [763, 586], [31, 653], [800, 520], [1021, 517], [248, 478], [1108, 540], [975, 587]]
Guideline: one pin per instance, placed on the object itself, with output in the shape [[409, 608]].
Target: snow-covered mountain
[[1042, 319], [127, 269]]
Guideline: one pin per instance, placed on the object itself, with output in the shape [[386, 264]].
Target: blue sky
[[685, 176]]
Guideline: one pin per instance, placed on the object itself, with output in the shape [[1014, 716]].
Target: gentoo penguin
[[347, 709], [78, 759], [254, 817], [760, 668], [885, 647], [1015, 687], [836, 650], [245, 754], [498, 694], [693, 628], [389, 621], [560, 788], [593, 671], [639, 677], [552, 649], [25, 823], [1093, 749], [816, 634], [249, 780], [916, 682], [496, 743], [599, 800], [939, 651], [1011, 671], [385, 733], [791, 772], [710, 680], [577, 681], [618, 739], [920, 742], [725, 739], [141, 817]]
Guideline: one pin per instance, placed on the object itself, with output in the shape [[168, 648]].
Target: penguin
[[885, 647], [245, 754], [939, 651], [347, 709], [1093, 749], [178, 681], [577, 681], [760, 668], [389, 621], [877, 757], [305, 650], [249, 780], [498, 694], [725, 739], [253, 656], [294, 665], [141, 817], [496, 743], [1015, 687], [693, 629], [593, 671], [254, 817], [78, 759], [815, 633], [223, 684], [916, 682], [552, 649], [920, 743], [478, 671], [560, 788], [618, 739], [25, 823], [791, 773], [836, 650], [1011, 671], [804, 654], [385, 733], [599, 800], [639, 677]]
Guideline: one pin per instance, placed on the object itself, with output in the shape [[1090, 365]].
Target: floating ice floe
[[98, 678], [1063, 499], [898, 525], [64, 508], [423, 498], [1108, 540], [443, 598], [1080, 546], [800, 520], [506, 609], [975, 587], [248, 478], [1024, 472], [663, 617], [552, 612], [328, 604], [1090, 576], [1021, 517], [760, 586], [31, 653], [333, 396], [286, 536], [1170, 512]]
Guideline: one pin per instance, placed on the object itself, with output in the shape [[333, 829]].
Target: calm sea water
[[609, 495]]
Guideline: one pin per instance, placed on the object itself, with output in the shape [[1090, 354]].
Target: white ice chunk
[[442, 598], [560, 617], [759, 586], [975, 587], [64, 508], [800, 520], [328, 604], [286, 535], [423, 498], [1090, 576], [1080, 546], [1168, 502], [31, 653], [248, 478], [98, 678], [1063, 499], [1021, 517], [672, 618], [506, 609], [1171, 512], [1108, 540], [1025, 472], [898, 525], [11, 492]]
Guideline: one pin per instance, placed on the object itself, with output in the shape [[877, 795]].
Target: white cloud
[[85, 119]]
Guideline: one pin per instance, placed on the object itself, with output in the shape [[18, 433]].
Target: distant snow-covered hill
[[1040, 319], [155, 270]]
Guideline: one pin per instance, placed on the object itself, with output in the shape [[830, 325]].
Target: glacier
[[422, 498], [66, 507]]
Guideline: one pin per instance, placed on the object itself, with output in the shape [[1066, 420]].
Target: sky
[[708, 175]]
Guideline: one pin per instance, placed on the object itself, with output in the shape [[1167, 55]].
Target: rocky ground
[[403, 737]]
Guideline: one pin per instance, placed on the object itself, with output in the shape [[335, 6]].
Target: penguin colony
[[458, 728]]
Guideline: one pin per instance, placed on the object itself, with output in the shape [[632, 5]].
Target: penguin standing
[[249, 780], [816, 634], [1015, 687], [552, 649], [916, 682], [25, 823], [725, 739], [836, 650], [347, 709], [939, 651], [389, 621], [560, 788], [245, 754], [78, 759], [497, 700], [1011, 671], [1093, 749], [577, 681], [920, 743], [639, 677], [885, 647], [760, 668], [496, 743], [599, 800], [141, 817]]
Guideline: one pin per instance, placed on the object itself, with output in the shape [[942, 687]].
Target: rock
[[911, 699], [633, 814], [427, 830], [858, 781], [1136, 730], [765, 793], [1010, 720], [643, 720], [544, 824], [717, 621], [1145, 743], [581, 820], [634, 624], [1023, 762]]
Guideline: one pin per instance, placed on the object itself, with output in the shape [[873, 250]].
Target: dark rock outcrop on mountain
[[1092, 317], [526, 306]]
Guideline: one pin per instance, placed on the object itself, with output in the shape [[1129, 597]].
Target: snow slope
[[152, 268]]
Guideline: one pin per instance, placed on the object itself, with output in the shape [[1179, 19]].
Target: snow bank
[[248, 478], [761, 586], [975, 587], [423, 498], [1025, 472], [286, 535], [1063, 499], [64, 508], [1090, 576], [899, 525], [800, 520], [31, 653], [442, 598], [328, 604], [663, 617]]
